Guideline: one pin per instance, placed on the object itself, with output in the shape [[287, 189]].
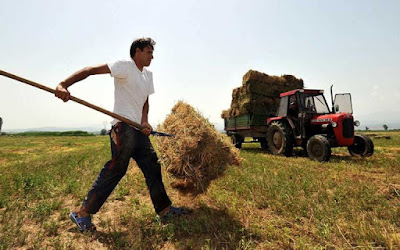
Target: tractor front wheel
[[319, 148], [362, 146]]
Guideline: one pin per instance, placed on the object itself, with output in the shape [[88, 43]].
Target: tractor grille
[[348, 128]]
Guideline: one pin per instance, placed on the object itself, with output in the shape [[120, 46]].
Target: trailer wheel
[[280, 139], [362, 146], [319, 148], [237, 140]]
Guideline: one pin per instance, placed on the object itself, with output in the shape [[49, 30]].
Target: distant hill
[[66, 133], [93, 130]]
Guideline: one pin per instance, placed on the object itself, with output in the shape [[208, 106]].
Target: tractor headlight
[[334, 124], [356, 123]]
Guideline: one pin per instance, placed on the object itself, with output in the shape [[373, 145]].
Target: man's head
[[292, 103], [142, 51]]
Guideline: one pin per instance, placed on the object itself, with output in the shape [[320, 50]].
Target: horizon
[[94, 128]]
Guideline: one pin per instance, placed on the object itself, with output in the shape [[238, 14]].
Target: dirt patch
[[58, 228]]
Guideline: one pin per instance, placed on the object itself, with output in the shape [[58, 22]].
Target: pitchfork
[[80, 101]]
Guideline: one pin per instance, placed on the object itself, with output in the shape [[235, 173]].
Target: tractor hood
[[342, 125], [330, 118]]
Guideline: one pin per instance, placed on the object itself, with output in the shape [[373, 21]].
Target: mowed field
[[269, 202]]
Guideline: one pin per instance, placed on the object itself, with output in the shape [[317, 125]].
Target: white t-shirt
[[132, 87]]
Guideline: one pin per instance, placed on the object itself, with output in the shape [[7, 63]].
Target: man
[[133, 85]]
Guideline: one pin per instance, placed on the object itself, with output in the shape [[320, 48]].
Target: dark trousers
[[127, 143]]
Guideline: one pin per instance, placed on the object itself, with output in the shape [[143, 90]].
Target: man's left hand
[[147, 128]]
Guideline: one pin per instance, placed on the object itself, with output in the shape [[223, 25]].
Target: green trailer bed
[[257, 122]]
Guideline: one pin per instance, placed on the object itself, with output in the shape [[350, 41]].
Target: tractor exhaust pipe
[[333, 103]]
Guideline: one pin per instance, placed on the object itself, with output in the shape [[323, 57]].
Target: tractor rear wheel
[[280, 138], [362, 146], [319, 148], [237, 140]]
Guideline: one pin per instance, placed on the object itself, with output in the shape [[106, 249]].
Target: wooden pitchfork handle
[[104, 111]]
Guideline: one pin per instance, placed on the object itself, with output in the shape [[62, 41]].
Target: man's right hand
[[62, 92]]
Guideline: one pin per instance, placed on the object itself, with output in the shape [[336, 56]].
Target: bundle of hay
[[259, 93], [198, 153]]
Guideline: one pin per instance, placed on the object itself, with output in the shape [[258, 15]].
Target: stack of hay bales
[[259, 93], [198, 153]]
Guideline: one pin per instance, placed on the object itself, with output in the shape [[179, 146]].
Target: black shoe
[[174, 212]]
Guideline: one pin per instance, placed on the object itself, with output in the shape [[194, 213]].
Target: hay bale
[[259, 93], [225, 113], [255, 76], [289, 81], [263, 106], [272, 86], [198, 153]]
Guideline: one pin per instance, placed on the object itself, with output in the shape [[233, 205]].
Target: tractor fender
[[283, 118], [291, 124]]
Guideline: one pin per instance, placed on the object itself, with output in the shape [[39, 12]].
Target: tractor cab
[[300, 107], [311, 102], [305, 101]]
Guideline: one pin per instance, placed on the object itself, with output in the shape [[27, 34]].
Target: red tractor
[[304, 119]]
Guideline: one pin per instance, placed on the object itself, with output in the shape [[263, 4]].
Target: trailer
[[302, 119], [247, 125]]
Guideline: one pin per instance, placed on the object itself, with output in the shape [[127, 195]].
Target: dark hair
[[141, 43]]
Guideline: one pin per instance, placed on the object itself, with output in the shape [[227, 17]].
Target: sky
[[203, 49]]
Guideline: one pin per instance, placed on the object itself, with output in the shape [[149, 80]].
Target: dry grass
[[198, 153]]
